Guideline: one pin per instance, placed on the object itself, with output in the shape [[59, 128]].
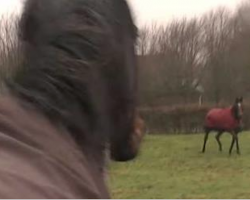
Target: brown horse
[[70, 92], [225, 120]]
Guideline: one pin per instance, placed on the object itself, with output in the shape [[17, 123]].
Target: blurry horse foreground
[[70, 90]]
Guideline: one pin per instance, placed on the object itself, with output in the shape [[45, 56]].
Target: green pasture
[[173, 167]]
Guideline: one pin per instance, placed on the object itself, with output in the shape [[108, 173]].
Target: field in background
[[173, 167], [183, 119]]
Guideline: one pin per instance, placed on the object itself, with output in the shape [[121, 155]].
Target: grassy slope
[[173, 167]]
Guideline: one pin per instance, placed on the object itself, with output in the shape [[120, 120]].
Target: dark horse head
[[237, 108], [77, 66]]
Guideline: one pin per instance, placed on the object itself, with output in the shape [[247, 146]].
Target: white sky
[[161, 11], [10, 6], [147, 11]]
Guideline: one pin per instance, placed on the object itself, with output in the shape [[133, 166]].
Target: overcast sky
[[10, 6], [162, 11], [146, 11]]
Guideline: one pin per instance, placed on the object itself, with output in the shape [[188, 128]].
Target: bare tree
[[9, 46], [207, 55], [218, 33]]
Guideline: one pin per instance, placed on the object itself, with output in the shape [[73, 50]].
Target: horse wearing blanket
[[225, 120]]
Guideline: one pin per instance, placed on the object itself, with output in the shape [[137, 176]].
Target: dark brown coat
[[38, 160], [71, 91]]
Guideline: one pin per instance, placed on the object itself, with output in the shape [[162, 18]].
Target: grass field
[[173, 167]]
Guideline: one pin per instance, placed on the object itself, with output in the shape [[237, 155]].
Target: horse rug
[[221, 119]]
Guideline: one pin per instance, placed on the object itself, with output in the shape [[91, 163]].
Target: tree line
[[201, 60]]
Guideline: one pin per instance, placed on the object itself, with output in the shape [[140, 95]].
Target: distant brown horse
[[71, 91], [225, 120]]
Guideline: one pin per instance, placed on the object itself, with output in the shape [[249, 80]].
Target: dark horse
[[70, 93], [225, 120]]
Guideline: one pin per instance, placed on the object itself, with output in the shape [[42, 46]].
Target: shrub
[[181, 119]]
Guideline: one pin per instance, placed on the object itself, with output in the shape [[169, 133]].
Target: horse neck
[[233, 111]]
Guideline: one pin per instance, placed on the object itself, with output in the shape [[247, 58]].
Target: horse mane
[[66, 55]]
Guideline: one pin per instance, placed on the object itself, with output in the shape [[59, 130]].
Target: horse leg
[[237, 143], [217, 137], [232, 143], [205, 140]]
